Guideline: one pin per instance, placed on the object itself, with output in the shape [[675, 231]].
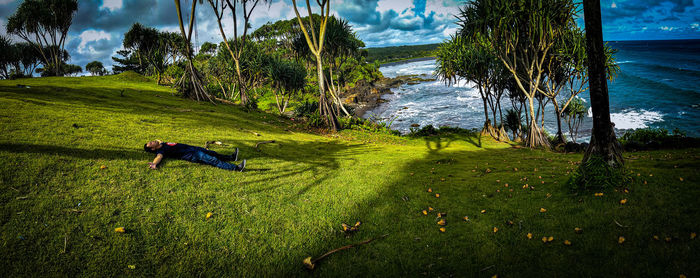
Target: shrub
[[370, 125], [597, 174], [306, 109]]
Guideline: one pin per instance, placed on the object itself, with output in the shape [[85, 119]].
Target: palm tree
[[193, 87], [603, 141]]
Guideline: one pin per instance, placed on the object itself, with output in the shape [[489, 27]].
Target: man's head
[[151, 146]]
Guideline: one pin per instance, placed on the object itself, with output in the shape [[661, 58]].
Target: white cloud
[[613, 5], [5, 2], [111, 5], [694, 26], [398, 6], [90, 36], [667, 28], [449, 32]]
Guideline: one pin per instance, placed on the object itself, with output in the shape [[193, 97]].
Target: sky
[[99, 25]]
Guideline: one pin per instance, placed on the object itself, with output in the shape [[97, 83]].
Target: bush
[[656, 138], [430, 130], [597, 174], [367, 125], [306, 109]]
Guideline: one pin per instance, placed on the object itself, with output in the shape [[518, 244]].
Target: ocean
[[658, 86]]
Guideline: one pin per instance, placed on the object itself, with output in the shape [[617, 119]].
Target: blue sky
[[99, 25]]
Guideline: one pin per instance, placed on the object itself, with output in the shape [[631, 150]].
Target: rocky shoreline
[[366, 96]]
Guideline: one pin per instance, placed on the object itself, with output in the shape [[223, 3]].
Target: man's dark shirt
[[176, 150]]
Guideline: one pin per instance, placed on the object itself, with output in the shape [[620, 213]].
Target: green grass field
[[59, 209]]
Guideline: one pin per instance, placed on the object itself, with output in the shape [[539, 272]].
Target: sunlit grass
[[60, 209]]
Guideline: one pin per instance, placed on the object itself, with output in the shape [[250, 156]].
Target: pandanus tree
[[44, 24], [566, 71], [191, 84], [238, 42], [315, 43], [288, 78], [521, 35], [469, 60], [341, 44]]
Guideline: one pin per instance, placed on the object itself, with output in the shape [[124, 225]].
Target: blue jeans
[[204, 157]]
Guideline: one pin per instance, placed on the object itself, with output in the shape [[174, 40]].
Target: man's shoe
[[235, 155], [241, 166]]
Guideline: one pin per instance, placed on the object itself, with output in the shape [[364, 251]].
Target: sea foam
[[634, 119]]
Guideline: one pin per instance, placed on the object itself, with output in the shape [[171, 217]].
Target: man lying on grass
[[192, 154]]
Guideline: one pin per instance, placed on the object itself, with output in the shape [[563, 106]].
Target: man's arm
[[155, 162]]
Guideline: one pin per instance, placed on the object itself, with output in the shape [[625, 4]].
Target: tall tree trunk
[[603, 140], [560, 135], [323, 106], [535, 138]]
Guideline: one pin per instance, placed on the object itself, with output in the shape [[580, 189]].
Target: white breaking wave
[[634, 119]]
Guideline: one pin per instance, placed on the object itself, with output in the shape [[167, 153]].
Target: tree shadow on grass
[[144, 102], [415, 246], [109, 154], [321, 158]]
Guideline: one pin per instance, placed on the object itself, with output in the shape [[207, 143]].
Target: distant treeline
[[397, 53]]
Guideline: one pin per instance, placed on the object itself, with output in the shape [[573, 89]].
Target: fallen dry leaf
[[681, 179], [620, 240], [441, 222], [623, 201], [495, 229], [578, 230], [529, 235], [483, 211], [655, 237], [425, 212], [544, 239], [103, 167], [693, 235], [430, 209], [209, 214], [308, 264], [442, 229], [549, 239], [119, 230], [567, 242], [543, 210], [466, 218], [667, 239], [430, 190], [437, 195], [506, 185]]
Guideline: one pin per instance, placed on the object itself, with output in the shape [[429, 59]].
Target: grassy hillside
[[398, 53], [59, 208]]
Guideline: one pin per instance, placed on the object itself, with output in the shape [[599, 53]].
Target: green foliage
[[430, 130], [129, 62], [45, 24], [596, 174], [369, 125], [645, 136], [306, 108], [96, 68], [173, 73], [656, 138], [397, 53], [513, 121], [154, 49]]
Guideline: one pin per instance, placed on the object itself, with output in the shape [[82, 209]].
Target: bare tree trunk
[[603, 140], [324, 109]]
